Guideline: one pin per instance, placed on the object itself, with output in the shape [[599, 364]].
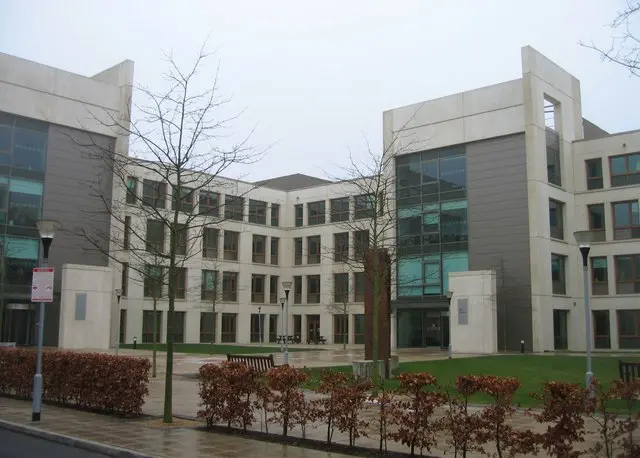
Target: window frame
[[313, 298], [366, 210], [598, 287], [599, 235], [132, 192], [553, 147], [358, 250], [297, 254], [258, 297], [205, 293], [210, 250], [358, 286], [316, 213], [298, 215], [230, 248], [596, 179], [205, 336], [297, 289], [339, 214], [229, 327], [258, 257], [151, 246], [341, 328], [557, 231], [601, 341], [233, 208], [635, 273], [636, 321], [628, 181], [182, 237], [634, 229], [274, 281], [126, 240], [554, 290], [209, 203], [341, 288], [181, 283], [183, 203], [229, 286], [153, 282], [312, 257], [258, 212], [274, 254], [158, 197], [275, 215], [340, 248]]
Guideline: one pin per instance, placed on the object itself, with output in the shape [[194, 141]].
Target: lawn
[[209, 349], [531, 370]]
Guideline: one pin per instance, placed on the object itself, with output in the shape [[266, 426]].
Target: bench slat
[[260, 363]]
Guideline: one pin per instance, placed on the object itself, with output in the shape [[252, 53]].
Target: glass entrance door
[[422, 328], [19, 324], [560, 329], [313, 328], [431, 330]]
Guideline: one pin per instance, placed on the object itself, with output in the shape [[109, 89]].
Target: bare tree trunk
[[375, 313], [213, 330], [154, 346], [346, 320]]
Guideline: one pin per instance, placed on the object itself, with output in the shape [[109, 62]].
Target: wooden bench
[[260, 363], [629, 372]]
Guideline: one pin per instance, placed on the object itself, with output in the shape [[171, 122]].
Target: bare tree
[[178, 154], [624, 48], [211, 300]]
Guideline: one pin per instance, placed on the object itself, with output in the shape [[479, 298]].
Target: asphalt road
[[15, 445]]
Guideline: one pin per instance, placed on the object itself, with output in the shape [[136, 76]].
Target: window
[[596, 222], [629, 329], [365, 206], [230, 245], [257, 211], [626, 220], [178, 327], [183, 200], [601, 329], [257, 327], [181, 239], [599, 276], [257, 289], [122, 328], [155, 236], [228, 332], [554, 169], [594, 173], [273, 289], [230, 286], [210, 242], [341, 288], [132, 190], [297, 251], [316, 213], [234, 208], [313, 250], [297, 325], [360, 243], [558, 274], [151, 329], [313, 289], [209, 286], [258, 251], [358, 329], [124, 280], [21, 256], [358, 286], [181, 282], [297, 289], [275, 215], [275, 244], [154, 193], [25, 202], [273, 328], [341, 247], [29, 148], [127, 232], [153, 281], [341, 329], [209, 203], [4, 199], [556, 219], [627, 274], [207, 327], [625, 170], [340, 209], [298, 210]]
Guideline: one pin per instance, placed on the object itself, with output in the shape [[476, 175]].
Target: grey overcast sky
[[316, 76]]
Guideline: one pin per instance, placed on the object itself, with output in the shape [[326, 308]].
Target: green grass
[[531, 370], [208, 349]]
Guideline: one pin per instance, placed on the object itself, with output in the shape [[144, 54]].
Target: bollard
[[135, 342], [522, 346]]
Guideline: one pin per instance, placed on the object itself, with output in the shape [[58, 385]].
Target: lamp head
[[47, 228], [449, 294], [118, 292], [286, 285], [583, 238], [282, 300]]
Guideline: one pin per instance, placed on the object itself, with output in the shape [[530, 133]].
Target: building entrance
[[19, 324], [422, 328]]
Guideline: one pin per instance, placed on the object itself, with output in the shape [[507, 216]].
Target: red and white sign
[[42, 284]]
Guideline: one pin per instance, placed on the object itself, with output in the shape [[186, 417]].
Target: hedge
[[92, 381]]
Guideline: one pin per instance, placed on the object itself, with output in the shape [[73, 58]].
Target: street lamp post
[[47, 230], [286, 285], [449, 296], [282, 335], [584, 239], [260, 325], [118, 295]]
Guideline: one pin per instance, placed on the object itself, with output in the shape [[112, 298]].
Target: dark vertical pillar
[[382, 269]]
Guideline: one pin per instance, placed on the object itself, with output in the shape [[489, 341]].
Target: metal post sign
[[42, 284]]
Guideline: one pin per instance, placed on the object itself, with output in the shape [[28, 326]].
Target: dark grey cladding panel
[[499, 230], [76, 179]]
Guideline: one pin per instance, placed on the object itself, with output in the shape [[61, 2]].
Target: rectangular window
[[626, 220], [207, 327], [153, 281], [358, 286], [313, 289], [256, 331], [181, 282], [132, 190], [365, 206], [297, 289], [274, 330], [181, 234], [298, 211], [625, 170], [360, 243], [341, 329], [154, 193], [257, 289], [124, 280], [596, 222], [297, 251], [210, 243], [629, 329], [230, 286], [228, 331], [556, 219], [151, 331], [316, 213], [155, 236], [257, 211], [234, 208], [258, 250], [275, 248], [122, 330], [313, 249], [601, 329], [25, 202], [29, 146], [554, 170], [341, 247], [599, 276], [209, 203], [297, 325], [627, 274], [340, 209], [230, 245], [594, 173], [273, 289], [178, 327], [183, 200], [275, 215], [127, 232], [358, 329], [341, 288], [558, 274], [209, 286]]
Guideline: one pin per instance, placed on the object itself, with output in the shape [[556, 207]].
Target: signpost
[[42, 284]]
